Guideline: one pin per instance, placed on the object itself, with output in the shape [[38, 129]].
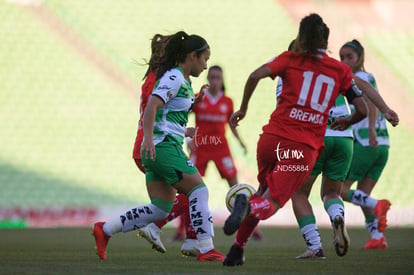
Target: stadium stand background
[[70, 79]]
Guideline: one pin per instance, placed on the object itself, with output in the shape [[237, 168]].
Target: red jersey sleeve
[[146, 90], [279, 64]]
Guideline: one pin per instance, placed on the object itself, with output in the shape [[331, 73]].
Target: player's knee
[[162, 205]]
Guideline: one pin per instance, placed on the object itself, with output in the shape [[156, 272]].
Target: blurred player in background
[[292, 141], [211, 116], [167, 169], [370, 155]]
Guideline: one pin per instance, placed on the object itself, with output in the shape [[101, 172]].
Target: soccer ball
[[240, 188]]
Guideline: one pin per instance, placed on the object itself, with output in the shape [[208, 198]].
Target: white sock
[[201, 218], [112, 227], [311, 235], [372, 228], [205, 245], [135, 218], [363, 199], [334, 207]]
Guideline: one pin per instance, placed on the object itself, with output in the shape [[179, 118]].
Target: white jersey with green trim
[[341, 109], [178, 97], [361, 129]]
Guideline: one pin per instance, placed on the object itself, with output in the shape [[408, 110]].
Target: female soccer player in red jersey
[[334, 165], [293, 139], [212, 115]]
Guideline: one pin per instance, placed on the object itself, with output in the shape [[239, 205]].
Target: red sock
[[182, 226], [261, 208], [245, 231], [189, 230], [180, 206]]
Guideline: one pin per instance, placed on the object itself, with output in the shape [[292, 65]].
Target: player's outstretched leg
[[234, 257], [152, 233], [240, 210]]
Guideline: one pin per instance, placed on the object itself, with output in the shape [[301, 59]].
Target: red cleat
[[210, 256], [101, 240], [376, 244], [381, 210]]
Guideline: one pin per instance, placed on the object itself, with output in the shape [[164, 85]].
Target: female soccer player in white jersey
[[370, 154], [167, 168]]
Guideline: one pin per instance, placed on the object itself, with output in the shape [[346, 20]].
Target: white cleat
[[312, 254], [189, 248], [151, 233]]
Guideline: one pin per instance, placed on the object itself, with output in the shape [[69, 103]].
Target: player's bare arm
[[376, 98], [251, 83], [148, 147]]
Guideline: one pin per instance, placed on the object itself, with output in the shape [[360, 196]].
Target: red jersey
[[146, 91], [212, 115], [310, 88]]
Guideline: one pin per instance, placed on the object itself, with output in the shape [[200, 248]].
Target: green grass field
[[71, 251], [68, 130]]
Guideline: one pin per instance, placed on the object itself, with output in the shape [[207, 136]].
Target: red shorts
[[284, 165], [222, 159], [136, 154]]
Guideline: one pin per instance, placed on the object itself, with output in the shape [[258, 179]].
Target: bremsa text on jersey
[[303, 116]]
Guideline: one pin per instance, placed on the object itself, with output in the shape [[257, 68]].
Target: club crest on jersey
[[223, 108], [190, 163]]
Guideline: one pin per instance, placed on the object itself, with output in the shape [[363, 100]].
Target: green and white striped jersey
[[361, 131], [178, 97]]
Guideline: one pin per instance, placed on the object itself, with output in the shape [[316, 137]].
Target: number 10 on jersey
[[321, 81]]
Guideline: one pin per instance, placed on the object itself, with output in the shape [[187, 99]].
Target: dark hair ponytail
[[313, 34], [158, 42], [176, 49]]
